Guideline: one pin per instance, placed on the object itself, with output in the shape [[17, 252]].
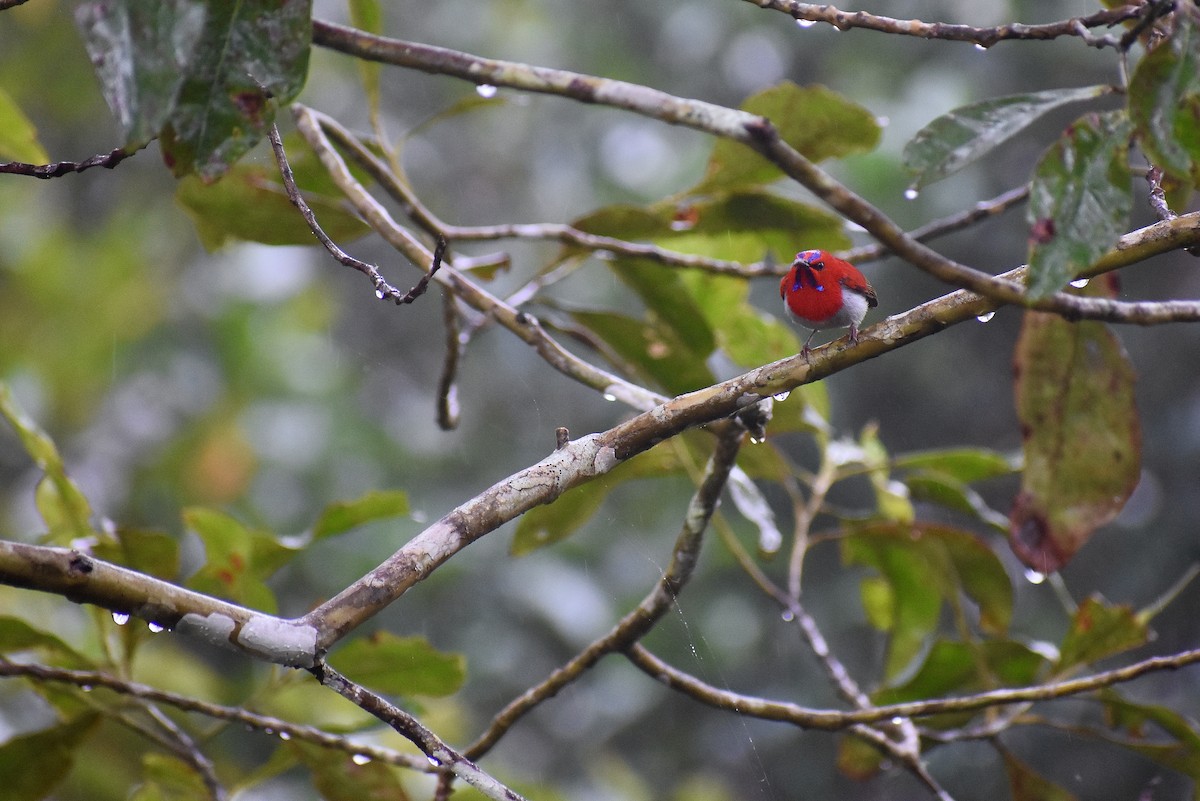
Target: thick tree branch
[[983, 37]]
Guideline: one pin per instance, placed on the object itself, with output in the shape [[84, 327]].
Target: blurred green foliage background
[[268, 382]]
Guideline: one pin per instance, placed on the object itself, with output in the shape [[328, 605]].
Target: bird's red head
[[822, 291]]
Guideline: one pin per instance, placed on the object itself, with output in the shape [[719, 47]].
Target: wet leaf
[[816, 121], [338, 777], [1132, 717], [919, 567], [404, 666], [249, 203], [858, 759], [252, 57], [963, 464], [891, 497], [931, 486], [142, 53], [1079, 201], [1099, 630], [959, 668], [342, 516], [61, 503], [964, 135], [1164, 102], [34, 764], [17, 635], [152, 552], [18, 136], [1028, 785], [1082, 439], [653, 349], [744, 332], [167, 778], [743, 225], [237, 559], [367, 15]]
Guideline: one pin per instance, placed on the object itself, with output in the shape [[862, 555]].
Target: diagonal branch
[[298, 642]]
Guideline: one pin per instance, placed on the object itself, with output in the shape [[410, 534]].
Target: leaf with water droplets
[[1082, 439], [341, 777], [1079, 200], [964, 135]]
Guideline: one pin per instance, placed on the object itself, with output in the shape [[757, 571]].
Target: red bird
[[822, 291]]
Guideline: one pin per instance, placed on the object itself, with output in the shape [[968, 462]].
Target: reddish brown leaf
[[1082, 440]]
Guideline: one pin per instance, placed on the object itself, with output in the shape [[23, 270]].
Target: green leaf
[[958, 668], [142, 53], [932, 486], [1082, 440], [249, 203], [652, 348], [816, 121], [60, 502], [1099, 630], [553, 522], [858, 759], [252, 57], [404, 666], [742, 225], [366, 15], [152, 552], [749, 336], [337, 777], [342, 516], [18, 136], [1133, 717], [919, 567], [33, 764], [1028, 785], [891, 497], [963, 464], [238, 559], [910, 602], [1079, 200], [962, 136], [17, 635], [168, 778], [1164, 102]]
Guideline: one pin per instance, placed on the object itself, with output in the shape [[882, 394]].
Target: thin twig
[[634, 625], [982, 210], [447, 402], [383, 290], [57, 169], [983, 37], [87, 680], [441, 756], [828, 720]]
